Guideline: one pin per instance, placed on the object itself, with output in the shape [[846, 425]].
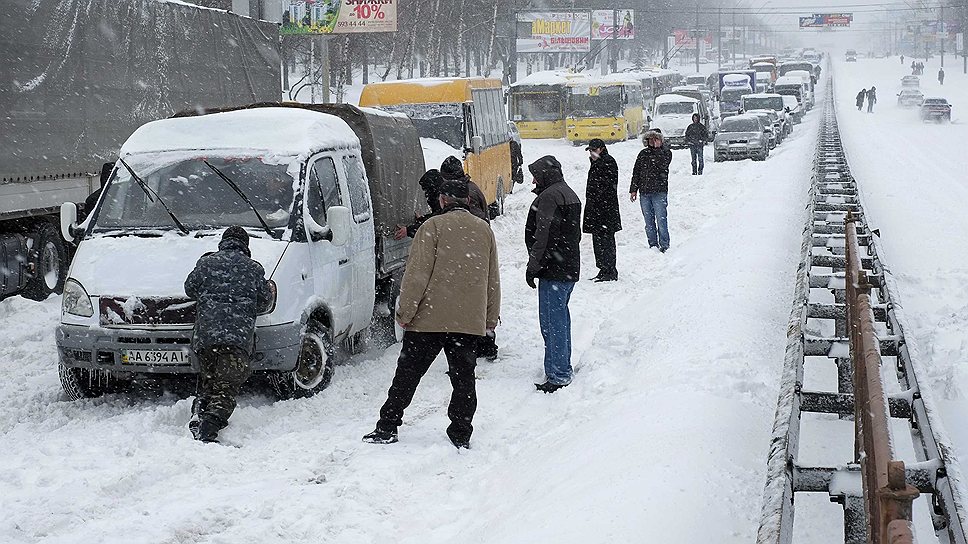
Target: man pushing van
[[229, 288]]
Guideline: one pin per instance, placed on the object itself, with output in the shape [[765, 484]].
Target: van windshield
[[196, 195], [536, 106], [675, 108], [772, 103], [444, 122], [734, 95]]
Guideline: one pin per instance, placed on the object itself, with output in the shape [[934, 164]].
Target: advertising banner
[[685, 40], [603, 27], [960, 43], [339, 17], [826, 20], [554, 31]]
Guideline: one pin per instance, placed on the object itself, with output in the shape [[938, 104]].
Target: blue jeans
[[555, 320], [696, 152], [656, 220]]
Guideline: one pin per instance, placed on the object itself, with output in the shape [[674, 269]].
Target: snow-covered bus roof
[[277, 131], [673, 98], [548, 77]]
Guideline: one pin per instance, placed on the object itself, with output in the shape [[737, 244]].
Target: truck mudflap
[[165, 351], [13, 268]]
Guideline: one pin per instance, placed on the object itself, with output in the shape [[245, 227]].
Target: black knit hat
[[452, 168], [454, 188], [236, 232]]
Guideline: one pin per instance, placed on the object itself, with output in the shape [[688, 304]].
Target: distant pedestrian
[[602, 218], [552, 235], [941, 76], [450, 296], [452, 169], [517, 158], [430, 182], [229, 289], [871, 99], [650, 186], [860, 99], [914, 68], [902, 59], [696, 138]]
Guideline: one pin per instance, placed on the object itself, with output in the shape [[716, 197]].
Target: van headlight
[[75, 300], [271, 305]]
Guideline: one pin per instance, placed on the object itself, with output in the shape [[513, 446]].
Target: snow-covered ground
[[662, 437], [914, 188]]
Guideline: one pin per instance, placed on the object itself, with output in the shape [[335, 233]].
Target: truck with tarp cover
[[77, 79], [320, 190]]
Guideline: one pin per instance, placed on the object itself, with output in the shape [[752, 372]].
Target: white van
[[320, 223], [807, 78], [672, 114], [793, 86]]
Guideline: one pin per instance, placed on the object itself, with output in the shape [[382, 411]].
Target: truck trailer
[[78, 79]]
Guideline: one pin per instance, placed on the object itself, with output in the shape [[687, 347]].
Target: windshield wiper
[[238, 190], [152, 195]]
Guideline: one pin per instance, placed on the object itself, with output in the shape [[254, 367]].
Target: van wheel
[[314, 367], [86, 383], [49, 253]]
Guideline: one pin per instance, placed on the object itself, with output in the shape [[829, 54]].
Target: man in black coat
[[452, 169], [696, 138], [230, 289], [602, 218], [871, 98], [650, 186], [552, 235], [859, 101], [430, 182]]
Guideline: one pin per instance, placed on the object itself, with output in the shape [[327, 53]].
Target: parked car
[[909, 98], [771, 122], [910, 82], [935, 109], [792, 106], [741, 137]]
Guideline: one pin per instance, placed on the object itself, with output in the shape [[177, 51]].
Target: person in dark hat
[[452, 169], [229, 289], [430, 182], [450, 297], [602, 217]]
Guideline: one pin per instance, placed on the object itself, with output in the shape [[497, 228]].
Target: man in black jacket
[[650, 186], [430, 182], [230, 289], [552, 236], [871, 98], [452, 169], [602, 218], [696, 138]]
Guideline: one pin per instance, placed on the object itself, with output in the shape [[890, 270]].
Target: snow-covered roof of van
[[277, 131], [669, 98], [788, 80], [763, 95]]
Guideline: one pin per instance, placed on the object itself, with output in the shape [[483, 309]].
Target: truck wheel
[[85, 383], [50, 257], [314, 367]]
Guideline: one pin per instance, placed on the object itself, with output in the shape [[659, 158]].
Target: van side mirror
[[106, 170], [477, 144], [340, 224], [68, 221]]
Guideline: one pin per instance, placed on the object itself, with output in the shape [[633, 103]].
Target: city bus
[[610, 108], [537, 103], [465, 113], [655, 81]]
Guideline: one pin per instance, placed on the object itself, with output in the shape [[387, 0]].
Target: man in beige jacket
[[450, 297]]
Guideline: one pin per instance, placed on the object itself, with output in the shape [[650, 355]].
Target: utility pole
[[941, 31], [719, 35], [732, 39], [697, 37], [614, 48]]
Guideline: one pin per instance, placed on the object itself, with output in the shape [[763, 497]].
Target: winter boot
[[548, 387], [206, 432], [380, 436]]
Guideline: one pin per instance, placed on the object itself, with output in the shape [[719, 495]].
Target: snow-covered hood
[[132, 265], [671, 124]]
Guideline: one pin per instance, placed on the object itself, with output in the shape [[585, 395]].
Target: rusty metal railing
[[887, 495]]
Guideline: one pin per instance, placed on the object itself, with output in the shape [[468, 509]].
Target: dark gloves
[[529, 277]]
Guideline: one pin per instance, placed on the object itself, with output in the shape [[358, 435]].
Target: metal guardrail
[[876, 489]]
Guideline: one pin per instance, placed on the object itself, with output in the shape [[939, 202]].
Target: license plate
[[154, 357]]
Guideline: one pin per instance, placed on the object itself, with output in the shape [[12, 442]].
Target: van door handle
[[343, 261]]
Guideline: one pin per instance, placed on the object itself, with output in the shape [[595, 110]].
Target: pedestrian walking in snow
[[452, 169], [860, 99], [902, 60], [517, 159], [552, 235], [650, 186], [941, 76], [430, 182], [229, 289], [696, 138], [871, 98], [602, 217], [450, 296]]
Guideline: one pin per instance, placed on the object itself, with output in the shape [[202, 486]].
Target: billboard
[[603, 26], [554, 31], [826, 20], [339, 16], [685, 40]]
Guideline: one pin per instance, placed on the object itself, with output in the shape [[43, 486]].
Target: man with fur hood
[[650, 186]]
